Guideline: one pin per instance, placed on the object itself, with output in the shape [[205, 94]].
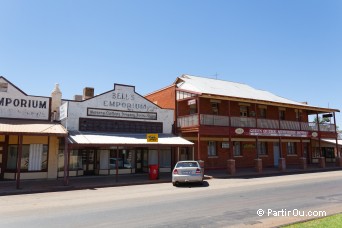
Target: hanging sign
[[152, 137]]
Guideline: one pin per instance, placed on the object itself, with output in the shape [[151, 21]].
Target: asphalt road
[[219, 203]]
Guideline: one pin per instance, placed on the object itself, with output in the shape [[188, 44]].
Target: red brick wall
[[165, 98], [183, 108], [247, 160], [219, 161]]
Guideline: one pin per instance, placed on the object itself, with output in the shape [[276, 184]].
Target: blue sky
[[291, 48]]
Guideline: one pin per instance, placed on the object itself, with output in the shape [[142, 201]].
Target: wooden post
[[20, 152], [198, 147], [117, 165], [66, 161]]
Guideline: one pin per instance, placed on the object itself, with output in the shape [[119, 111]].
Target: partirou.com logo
[[290, 213]]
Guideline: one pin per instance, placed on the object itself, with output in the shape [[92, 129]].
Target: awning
[[8, 126], [333, 141], [116, 139]]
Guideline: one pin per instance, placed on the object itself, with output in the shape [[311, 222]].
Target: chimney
[[78, 97], [88, 92], [56, 101]]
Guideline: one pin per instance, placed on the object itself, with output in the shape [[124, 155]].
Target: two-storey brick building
[[245, 126]]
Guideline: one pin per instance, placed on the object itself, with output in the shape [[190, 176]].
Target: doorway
[[141, 161], [276, 154], [88, 161], [185, 154]]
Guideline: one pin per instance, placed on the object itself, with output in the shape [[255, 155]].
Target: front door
[[88, 161], [276, 154], [185, 154], [141, 160], [138, 161]]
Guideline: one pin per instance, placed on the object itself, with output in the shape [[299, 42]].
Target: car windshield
[[186, 164]]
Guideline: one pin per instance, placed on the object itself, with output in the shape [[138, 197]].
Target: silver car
[[187, 171]]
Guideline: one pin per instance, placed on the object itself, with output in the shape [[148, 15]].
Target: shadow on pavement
[[204, 184]]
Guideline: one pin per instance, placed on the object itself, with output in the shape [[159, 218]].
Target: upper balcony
[[248, 122]]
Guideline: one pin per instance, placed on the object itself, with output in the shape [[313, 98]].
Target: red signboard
[[272, 132]]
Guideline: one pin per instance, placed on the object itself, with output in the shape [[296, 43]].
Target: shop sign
[[125, 98], [63, 111], [121, 114], [192, 102], [225, 145], [152, 137], [12, 106], [272, 132], [239, 131]]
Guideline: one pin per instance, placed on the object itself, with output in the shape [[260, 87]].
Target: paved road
[[219, 203]]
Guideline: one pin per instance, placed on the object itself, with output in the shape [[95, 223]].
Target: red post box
[[153, 172]]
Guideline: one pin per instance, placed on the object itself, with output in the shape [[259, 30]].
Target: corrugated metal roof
[[77, 137], [230, 89], [31, 126]]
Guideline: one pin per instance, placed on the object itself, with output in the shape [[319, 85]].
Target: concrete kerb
[[268, 173]]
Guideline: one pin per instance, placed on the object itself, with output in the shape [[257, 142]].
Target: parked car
[[187, 171], [121, 163]]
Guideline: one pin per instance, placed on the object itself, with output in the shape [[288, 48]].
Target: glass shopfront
[[120, 159], [34, 157]]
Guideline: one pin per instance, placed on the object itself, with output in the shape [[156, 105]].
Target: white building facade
[[108, 134]]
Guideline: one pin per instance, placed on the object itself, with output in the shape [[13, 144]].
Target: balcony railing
[[248, 122], [289, 125], [214, 120], [271, 124], [187, 121], [243, 122]]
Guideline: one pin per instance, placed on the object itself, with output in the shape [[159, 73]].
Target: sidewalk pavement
[[8, 187]]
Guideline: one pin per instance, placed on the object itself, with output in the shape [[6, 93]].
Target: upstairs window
[[244, 111], [282, 114], [193, 109], [262, 113], [215, 108], [298, 114]]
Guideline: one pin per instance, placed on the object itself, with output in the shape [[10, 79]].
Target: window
[[165, 158], [237, 148], [305, 149], [244, 111], [262, 113], [33, 157], [193, 109], [316, 153], [298, 114], [262, 148], [122, 126], [3, 87], [124, 161], [291, 148], [282, 114], [183, 95], [215, 108], [212, 148]]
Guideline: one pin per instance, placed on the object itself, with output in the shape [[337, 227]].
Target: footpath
[[8, 187]]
